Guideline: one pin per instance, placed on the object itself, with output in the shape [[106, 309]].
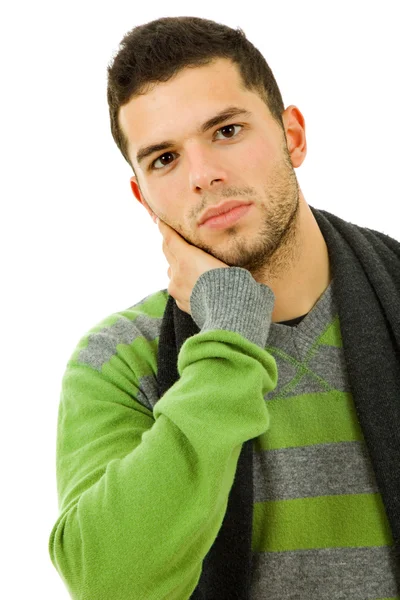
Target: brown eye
[[229, 127], [159, 158]]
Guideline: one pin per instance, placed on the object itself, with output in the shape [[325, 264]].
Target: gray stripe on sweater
[[310, 471], [321, 372], [325, 574], [102, 345]]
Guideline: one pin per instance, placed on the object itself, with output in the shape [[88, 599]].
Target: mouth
[[228, 218], [221, 208]]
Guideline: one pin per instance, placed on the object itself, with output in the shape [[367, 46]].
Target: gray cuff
[[230, 298]]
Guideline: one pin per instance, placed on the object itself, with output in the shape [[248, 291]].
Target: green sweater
[[143, 482]]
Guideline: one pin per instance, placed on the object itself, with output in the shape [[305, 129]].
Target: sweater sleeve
[[142, 495]]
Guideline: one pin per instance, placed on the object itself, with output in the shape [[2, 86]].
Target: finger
[[169, 245], [170, 234], [162, 226], [168, 253]]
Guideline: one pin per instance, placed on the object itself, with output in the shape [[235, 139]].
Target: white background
[[77, 246]]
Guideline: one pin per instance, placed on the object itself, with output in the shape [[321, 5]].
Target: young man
[[224, 438]]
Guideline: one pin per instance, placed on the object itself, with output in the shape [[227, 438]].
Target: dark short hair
[[156, 51]]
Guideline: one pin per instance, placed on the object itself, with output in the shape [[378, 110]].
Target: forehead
[[177, 107]]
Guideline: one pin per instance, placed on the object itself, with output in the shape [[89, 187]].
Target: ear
[[136, 190], [295, 130], [138, 195]]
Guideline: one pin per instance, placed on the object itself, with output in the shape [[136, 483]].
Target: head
[[170, 77]]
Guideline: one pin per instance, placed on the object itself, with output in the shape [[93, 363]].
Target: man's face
[[243, 158]]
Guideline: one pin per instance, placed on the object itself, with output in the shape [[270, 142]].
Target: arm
[[143, 495]]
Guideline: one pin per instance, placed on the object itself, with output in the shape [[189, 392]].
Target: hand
[[186, 264]]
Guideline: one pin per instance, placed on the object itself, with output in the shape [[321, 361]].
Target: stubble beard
[[275, 245]]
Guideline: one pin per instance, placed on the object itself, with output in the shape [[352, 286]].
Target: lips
[[221, 209]]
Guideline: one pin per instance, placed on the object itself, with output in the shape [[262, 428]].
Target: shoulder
[[140, 324]]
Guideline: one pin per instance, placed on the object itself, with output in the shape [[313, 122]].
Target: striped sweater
[[143, 482]]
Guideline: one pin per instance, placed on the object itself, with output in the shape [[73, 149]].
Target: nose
[[205, 168]]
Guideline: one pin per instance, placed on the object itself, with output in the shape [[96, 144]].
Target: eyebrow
[[223, 115]]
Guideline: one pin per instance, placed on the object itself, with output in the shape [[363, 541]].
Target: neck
[[304, 272]]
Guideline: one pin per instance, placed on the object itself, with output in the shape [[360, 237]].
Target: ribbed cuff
[[230, 298]]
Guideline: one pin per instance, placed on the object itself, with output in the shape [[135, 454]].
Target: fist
[[186, 264]]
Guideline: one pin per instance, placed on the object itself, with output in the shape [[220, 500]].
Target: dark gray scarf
[[365, 267]]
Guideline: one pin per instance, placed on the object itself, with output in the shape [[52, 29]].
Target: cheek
[[257, 158]]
